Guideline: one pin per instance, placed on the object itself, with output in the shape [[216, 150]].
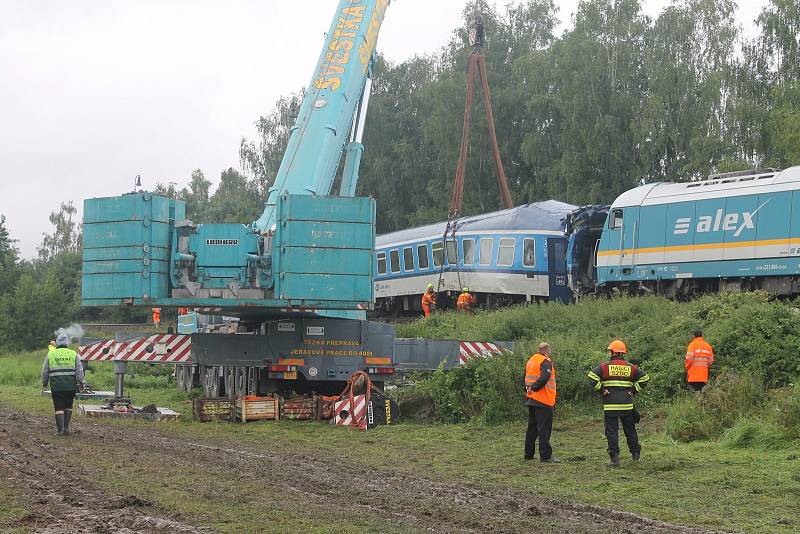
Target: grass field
[[715, 483]]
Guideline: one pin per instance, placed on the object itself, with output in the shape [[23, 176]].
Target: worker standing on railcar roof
[[619, 381], [465, 301], [428, 300], [699, 357], [63, 370], [540, 398]]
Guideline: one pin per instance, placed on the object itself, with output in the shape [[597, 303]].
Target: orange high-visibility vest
[[533, 370], [465, 301], [699, 357], [428, 298]]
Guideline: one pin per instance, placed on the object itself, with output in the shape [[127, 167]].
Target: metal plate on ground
[[96, 410]]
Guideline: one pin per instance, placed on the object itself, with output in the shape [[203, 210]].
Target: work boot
[[67, 417], [551, 460], [615, 460], [636, 455], [59, 424]]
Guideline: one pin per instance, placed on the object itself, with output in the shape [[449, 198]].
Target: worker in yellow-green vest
[[63, 370]]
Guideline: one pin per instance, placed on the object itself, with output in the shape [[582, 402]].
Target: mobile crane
[[299, 278]]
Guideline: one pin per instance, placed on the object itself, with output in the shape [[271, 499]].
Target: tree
[[236, 200], [32, 313], [66, 236], [262, 159], [780, 38], [196, 196], [8, 259], [783, 125]]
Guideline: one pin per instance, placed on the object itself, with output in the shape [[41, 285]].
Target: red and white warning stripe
[[159, 348], [356, 416], [472, 349], [95, 352]]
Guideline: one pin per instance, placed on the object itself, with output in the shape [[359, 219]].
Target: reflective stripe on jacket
[[544, 384], [699, 357], [62, 369], [618, 380]]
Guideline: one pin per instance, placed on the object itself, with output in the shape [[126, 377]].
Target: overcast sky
[[94, 92]]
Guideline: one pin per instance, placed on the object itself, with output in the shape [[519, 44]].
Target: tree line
[[616, 100]]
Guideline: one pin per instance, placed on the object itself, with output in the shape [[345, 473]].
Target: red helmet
[[618, 346]]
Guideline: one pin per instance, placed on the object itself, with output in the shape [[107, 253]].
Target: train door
[[628, 244], [557, 269]]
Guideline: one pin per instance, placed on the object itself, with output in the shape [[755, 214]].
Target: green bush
[[788, 411], [761, 434], [688, 420], [724, 401], [751, 333]]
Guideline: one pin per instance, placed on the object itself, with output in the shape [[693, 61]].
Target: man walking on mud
[[63, 370]]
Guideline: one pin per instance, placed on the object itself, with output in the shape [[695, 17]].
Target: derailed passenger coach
[[504, 257], [733, 231]]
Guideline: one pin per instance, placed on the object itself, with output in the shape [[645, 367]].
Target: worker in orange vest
[[699, 357], [465, 301], [540, 398], [428, 300], [156, 316]]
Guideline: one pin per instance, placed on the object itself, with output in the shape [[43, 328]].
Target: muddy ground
[[58, 483]]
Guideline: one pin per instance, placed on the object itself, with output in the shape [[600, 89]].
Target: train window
[[408, 259], [487, 243], [469, 251], [615, 221], [505, 254], [451, 249], [438, 254], [394, 261], [528, 252], [422, 256], [381, 262]]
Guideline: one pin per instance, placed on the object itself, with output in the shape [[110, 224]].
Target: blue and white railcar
[[506, 256], [732, 231]]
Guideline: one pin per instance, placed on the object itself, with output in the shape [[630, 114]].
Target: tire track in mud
[[403, 500], [61, 501]]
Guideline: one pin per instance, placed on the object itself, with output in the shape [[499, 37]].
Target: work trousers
[[62, 400], [540, 425], [628, 426], [697, 386]]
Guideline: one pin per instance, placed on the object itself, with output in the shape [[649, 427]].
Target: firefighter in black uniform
[[619, 381]]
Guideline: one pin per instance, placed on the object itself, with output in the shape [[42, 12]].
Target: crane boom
[[330, 107]]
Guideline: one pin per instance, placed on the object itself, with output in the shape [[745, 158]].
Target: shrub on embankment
[[754, 336]]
